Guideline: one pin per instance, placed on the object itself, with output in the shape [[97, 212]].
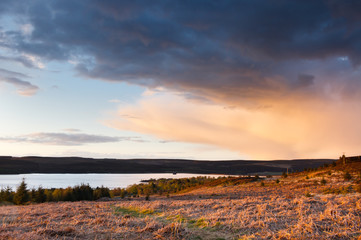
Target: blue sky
[[69, 104], [180, 79]]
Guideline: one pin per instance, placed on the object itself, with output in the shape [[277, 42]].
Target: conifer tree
[[22, 195], [40, 195]]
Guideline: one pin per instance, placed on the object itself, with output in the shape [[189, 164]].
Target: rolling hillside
[[18, 165]]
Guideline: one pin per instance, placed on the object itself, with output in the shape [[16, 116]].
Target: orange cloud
[[289, 129]]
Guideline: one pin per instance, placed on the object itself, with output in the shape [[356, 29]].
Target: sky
[[209, 79]]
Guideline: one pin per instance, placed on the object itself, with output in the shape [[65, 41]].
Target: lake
[[111, 181]]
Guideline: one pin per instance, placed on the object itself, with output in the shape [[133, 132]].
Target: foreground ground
[[299, 207]]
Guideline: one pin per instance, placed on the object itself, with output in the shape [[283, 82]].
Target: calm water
[[95, 180]]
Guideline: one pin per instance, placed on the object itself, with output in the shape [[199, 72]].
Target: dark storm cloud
[[200, 47], [305, 80], [67, 139]]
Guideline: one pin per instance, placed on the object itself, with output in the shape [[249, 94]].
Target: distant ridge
[[33, 164]]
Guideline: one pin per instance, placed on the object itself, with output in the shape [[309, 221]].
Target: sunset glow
[[198, 80]]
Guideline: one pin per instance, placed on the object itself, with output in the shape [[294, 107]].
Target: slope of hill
[[18, 165]]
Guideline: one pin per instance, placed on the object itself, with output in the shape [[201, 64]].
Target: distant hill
[[18, 165]]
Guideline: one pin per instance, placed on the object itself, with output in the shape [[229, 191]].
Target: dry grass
[[249, 211]]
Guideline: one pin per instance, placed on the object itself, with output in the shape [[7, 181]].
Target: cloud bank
[[222, 51], [67, 139], [312, 129]]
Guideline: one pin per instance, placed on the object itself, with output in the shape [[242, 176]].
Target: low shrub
[[347, 176]]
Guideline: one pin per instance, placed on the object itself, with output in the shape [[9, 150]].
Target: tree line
[[22, 195]]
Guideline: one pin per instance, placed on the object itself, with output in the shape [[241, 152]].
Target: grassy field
[[309, 205]]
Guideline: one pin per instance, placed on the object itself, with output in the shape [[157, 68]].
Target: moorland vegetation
[[322, 203]]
